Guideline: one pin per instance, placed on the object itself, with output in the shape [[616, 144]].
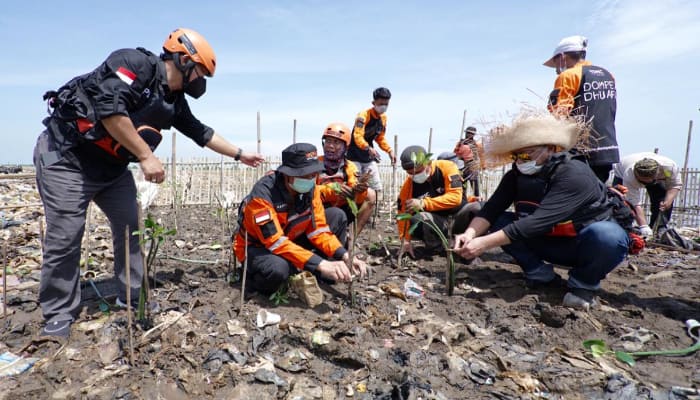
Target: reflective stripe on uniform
[[318, 232], [277, 243]]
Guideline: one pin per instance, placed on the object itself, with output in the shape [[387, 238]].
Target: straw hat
[[533, 130]]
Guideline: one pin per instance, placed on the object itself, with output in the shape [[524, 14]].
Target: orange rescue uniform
[[273, 220], [346, 174], [441, 193]]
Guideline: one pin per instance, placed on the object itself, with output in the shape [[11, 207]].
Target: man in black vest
[[589, 91], [101, 121]]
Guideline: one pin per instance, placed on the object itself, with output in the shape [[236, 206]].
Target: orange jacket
[[369, 127], [347, 174], [567, 83], [441, 193], [274, 220]]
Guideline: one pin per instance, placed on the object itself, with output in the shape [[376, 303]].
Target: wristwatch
[[237, 157]]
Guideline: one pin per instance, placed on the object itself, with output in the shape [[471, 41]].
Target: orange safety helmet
[[338, 130], [187, 41]]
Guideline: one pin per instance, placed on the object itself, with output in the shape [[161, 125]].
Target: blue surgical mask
[[529, 167], [302, 185], [421, 177]]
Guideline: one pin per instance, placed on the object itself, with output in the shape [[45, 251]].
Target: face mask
[[528, 168], [421, 177], [196, 87], [380, 109], [301, 185]]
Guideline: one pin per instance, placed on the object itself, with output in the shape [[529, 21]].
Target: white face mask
[[421, 177], [528, 168], [380, 109]]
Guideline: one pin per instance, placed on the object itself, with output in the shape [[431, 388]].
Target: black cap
[[381, 93], [406, 161], [300, 159], [470, 131]]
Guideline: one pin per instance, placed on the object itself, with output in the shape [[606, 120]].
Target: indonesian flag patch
[[126, 75], [262, 217]]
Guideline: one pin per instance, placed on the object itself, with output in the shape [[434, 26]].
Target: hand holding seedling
[[414, 205]]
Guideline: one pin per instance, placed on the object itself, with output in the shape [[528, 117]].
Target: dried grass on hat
[[533, 127]]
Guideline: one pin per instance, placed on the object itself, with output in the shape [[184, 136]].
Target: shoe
[[57, 329], [556, 282], [580, 298]]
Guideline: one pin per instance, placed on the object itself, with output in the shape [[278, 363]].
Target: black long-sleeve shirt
[[569, 191]]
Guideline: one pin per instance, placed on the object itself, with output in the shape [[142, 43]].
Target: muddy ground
[[493, 339]]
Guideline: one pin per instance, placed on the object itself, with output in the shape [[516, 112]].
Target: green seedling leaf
[[625, 358], [336, 187], [597, 347], [413, 228], [353, 206], [403, 217], [215, 247]]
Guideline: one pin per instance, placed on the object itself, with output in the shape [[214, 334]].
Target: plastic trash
[[693, 326], [320, 337], [412, 289], [266, 318], [11, 364]]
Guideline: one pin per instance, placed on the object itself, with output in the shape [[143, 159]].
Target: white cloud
[[645, 32]]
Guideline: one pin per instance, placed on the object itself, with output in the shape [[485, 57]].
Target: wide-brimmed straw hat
[[533, 130]]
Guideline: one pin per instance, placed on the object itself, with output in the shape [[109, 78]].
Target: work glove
[[645, 231]]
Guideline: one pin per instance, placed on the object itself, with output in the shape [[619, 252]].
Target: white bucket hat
[[570, 43]]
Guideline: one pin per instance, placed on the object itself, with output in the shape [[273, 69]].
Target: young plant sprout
[[421, 159], [598, 348], [154, 235]]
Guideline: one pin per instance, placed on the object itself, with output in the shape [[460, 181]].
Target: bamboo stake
[[173, 179], [464, 121], [351, 251], [393, 180], [685, 162], [4, 279], [259, 140], [294, 132], [245, 271], [430, 140], [128, 294]]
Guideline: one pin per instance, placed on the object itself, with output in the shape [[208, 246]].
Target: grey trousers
[[66, 192]]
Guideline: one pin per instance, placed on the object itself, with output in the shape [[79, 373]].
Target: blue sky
[[318, 61]]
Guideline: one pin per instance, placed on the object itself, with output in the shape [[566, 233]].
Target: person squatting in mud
[[339, 180], [287, 228], [660, 177], [433, 190], [100, 122], [563, 214]]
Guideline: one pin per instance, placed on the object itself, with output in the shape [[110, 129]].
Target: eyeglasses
[[521, 156]]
